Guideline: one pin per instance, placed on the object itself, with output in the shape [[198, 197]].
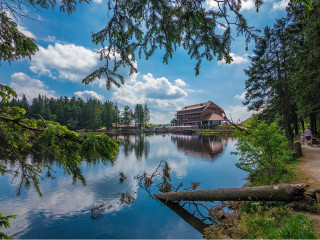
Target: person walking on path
[[308, 135]]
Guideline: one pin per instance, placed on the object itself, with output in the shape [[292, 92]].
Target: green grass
[[207, 130], [274, 221]]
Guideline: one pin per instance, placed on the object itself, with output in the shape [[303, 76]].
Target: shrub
[[264, 152]]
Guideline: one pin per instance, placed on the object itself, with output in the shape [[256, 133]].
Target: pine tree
[[146, 114], [268, 82], [126, 117], [139, 116]]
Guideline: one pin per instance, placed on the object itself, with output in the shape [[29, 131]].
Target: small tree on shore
[[264, 151]]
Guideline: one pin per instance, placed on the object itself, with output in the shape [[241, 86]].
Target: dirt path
[[310, 166], [309, 173]]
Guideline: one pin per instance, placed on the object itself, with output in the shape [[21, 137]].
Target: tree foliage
[[13, 43], [283, 79], [139, 28], [268, 81], [141, 115], [4, 223], [19, 132], [77, 114], [264, 151]]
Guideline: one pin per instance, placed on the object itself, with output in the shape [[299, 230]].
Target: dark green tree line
[[78, 114], [283, 79]]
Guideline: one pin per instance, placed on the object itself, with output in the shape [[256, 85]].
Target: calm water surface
[[65, 209]]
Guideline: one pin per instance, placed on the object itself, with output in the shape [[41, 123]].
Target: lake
[[65, 210]]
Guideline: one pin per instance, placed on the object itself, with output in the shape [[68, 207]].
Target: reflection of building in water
[[207, 147]]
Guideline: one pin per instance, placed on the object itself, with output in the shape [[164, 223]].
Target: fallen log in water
[[282, 193]]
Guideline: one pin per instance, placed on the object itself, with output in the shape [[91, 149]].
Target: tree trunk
[[295, 121], [302, 124], [285, 102], [282, 193], [297, 148], [311, 123], [315, 125]]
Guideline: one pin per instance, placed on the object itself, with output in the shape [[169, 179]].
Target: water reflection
[[139, 144], [65, 210], [206, 147], [189, 218]]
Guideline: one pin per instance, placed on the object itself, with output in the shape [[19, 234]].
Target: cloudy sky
[[66, 55]]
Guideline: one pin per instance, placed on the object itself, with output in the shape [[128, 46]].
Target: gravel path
[[310, 174], [310, 165]]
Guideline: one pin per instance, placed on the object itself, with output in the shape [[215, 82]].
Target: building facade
[[198, 115]]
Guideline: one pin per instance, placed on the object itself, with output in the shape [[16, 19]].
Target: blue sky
[[66, 54]]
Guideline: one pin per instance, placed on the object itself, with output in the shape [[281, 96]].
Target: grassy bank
[[217, 130], [265, 156], [275, 220], [265, 220]]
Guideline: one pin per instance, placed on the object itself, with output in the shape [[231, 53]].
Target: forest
[[78, 114]]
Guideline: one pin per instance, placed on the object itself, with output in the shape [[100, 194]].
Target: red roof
[[212, 117]]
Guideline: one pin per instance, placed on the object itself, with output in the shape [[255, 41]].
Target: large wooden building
[[198, 115]]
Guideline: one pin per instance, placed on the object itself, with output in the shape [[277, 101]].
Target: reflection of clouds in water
[[163, 151], [21, 222], [61, 198], [179, 167], [65, 199], [54, 204]]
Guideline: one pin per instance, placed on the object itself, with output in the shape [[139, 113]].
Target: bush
[[264, 153]]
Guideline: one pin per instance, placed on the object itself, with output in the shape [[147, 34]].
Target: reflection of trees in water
[[29, 167], [139, 144], [204, 146]]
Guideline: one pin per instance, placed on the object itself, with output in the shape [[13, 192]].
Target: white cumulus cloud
[[88, 94], [149, 89], [245, 4], [66, 61], [241, 96], [235, 59], [237, 113], [23, 84], [51, 39], [26, 32], [280, 5], [160, 94], [180, 82]]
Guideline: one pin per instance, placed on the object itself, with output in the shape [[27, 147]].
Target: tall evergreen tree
[[146, 114], [107, 115], [126, 115], [139, 116], [268, 81]]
